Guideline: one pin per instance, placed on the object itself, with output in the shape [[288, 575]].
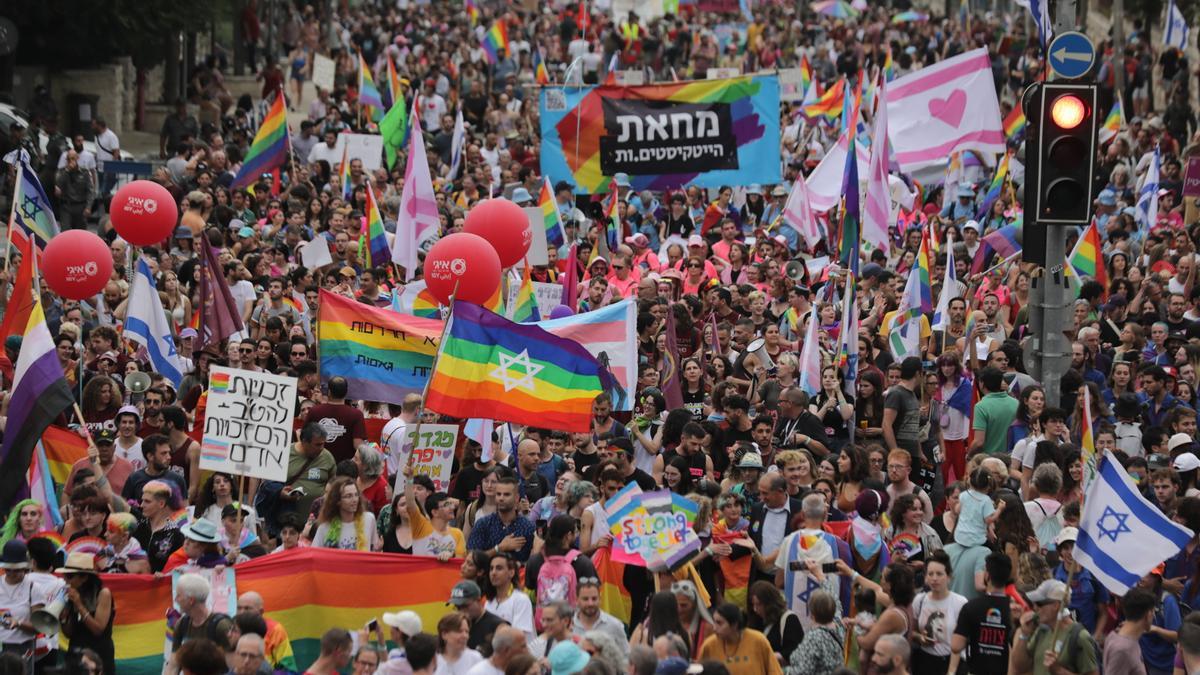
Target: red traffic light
[[1068, 111]]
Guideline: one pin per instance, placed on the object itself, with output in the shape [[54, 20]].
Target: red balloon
[[466, 261], [504, 225], [77, 264], [143, 212]]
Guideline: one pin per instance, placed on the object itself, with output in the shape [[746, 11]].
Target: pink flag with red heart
[[945, 108]]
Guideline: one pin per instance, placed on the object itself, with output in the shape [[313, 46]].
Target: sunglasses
[[695, 265], [246, 351]]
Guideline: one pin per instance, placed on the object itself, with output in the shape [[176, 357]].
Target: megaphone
[[758, 348], [46, 618], [794, 269], [137, 382]]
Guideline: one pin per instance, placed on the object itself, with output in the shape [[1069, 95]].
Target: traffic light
[[1064, 129]]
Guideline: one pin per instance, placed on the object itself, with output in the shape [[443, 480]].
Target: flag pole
[[12, 214], [432, 368], [288, 132]]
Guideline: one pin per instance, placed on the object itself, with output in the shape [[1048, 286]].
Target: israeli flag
[[147, 325], [1040, 11], [1147, 203], [1122, 536], [941, 315], [1175, 32]]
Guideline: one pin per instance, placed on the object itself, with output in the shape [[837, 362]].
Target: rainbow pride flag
[[218, 383], [495, 42], [828, 108], [374, 241], [1112, 123], [525, 307], [889, 66], [472, 11], [518, 372], [63, 448], [416, 299], [368, 93], [995, 188], [1088, 256], [1014, 124], [395, 92], [1087, 442], [344, 174], [270, 147], [383, 355], [306, 589], [805, 73], [551, 218], [540, 74]]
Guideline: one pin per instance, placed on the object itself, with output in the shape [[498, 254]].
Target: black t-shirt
[[907, 426], [533, 488], [697, 462], [158, 545], [693, 402], [480, 638], [643, 479], [985, 622], [467, 485], [584, 461]]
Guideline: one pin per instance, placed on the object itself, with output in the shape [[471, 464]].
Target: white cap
[[1066, 534], [1178, 440], [1186, 462], [407, 621]]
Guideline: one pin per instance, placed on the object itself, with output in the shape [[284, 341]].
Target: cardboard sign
[[431, 453], [248, 423], [365, 147], [537, 245], [722, 73], [323, 72], [652, 529], [631, 78]]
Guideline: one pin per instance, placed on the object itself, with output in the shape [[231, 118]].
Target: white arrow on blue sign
[[1071, 55]]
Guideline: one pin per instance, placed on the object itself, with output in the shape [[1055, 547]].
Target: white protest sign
[[630, 78], [315, 254], [548, 296], [723, 73], [646, 9], [537, 244], [248, 423], [431, 454], [789, 85], [323, 72], [365, 147]]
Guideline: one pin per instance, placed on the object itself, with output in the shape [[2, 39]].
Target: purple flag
[[570, 279], [219, 315]]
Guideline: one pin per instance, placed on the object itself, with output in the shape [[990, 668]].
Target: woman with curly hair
[[1014, 531], [344, 522], [101, 401], [851, 472]]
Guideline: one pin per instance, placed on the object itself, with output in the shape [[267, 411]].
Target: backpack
[[1047, 530], [556, 581]]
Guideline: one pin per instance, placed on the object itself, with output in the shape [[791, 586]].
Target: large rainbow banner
[[383, 355], [707, 133], [308, 590]]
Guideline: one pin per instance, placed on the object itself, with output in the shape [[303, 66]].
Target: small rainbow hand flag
[[551, 218], [539, 68], [219, 383], [1014, 124], [495, 42], [828, 108]]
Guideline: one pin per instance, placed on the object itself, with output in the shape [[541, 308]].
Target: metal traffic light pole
[[1049, 354]]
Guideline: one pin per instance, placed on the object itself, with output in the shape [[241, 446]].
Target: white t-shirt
[[937, 619], [348, 539], [45, 588], [16, 601], [106, 142], [1024, 450], [132, 454], [1040, 509], [392, 438], [323, 151], [465, 663], [517, 610], [484, 667]]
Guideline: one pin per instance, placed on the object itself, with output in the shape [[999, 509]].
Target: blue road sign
[[1071, 55]]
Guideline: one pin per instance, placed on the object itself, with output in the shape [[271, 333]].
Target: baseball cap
[[188, 333], [110, 355], [971, 225], [751, 460], [779, 191], [1050, 590], [407, 621], [1186, 462], [1178, 440], [1107, 198], [1067, 534], [638, 239], [965, 191], [464, 593], [695, 240], [245, 232], [109, 436]]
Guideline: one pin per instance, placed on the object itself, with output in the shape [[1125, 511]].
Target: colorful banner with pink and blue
[[707, 133]]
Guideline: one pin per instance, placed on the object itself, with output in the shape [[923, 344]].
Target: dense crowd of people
[[880, 527]]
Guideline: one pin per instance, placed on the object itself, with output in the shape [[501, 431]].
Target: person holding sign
[[344, 521], [432, 536]]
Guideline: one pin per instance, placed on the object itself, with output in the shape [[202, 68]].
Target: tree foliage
[[79, 34]]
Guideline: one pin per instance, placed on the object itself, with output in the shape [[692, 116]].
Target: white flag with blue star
[[147, 325], [1175, 32], [1147, 203], [1122, 536]]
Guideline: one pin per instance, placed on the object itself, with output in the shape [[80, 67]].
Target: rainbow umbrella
[[910, 16], [837, 9]]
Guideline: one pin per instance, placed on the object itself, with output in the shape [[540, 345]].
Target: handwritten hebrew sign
[[248, 423]]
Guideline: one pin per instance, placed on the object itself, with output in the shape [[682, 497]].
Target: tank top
[[179, 459], [864, 656]]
